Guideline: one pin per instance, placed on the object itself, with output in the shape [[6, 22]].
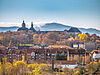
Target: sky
[[78, 13]]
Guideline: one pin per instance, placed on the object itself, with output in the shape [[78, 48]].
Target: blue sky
[[78, 13]]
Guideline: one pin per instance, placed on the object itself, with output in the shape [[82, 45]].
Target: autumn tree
[[61, 56], [20, 67], [82, 37], [94, 37], [51, 38], [35, 38]]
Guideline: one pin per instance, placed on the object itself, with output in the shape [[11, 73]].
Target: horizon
[[28, 25], [77, 13]]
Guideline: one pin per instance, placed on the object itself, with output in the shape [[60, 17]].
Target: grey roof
[[74, 29], [26, 29], [23, 27], [32, 28]]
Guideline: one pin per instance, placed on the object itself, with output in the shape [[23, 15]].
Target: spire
[[23, 27], [32, 28], [23, 21], [23, 24], [31, 24]]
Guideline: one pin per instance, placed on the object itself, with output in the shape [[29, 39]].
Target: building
[[95, 55], [78, 44], [98, 44], [23, 27], [89, 46], [32, 28], [26, 29], [46, 53], [74, 30]]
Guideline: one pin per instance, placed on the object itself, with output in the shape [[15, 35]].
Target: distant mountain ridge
[[4, 29], [54, 26], [61, 27]]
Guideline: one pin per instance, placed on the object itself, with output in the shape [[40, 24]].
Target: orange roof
[[95, 51], [98, 41], [70, 39], [2, 47], [59, 46]]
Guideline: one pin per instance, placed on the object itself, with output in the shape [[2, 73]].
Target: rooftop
[[74, 29], [59, 46]]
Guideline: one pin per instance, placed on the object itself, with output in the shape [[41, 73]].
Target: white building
[[96, 56]]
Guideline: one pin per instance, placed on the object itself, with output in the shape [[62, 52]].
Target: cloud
[[8, 24]]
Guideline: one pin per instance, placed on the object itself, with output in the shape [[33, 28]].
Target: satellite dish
[[33, 54]]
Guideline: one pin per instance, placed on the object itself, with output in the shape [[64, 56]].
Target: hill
[[54, 26], [61, 27], [4, 29]]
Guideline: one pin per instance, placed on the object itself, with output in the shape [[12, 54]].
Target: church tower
[[23, 24], [32, 28], [31, 24], [23, 27]]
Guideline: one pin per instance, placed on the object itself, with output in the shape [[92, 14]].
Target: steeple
[[23, 21], [23, 27], [23, 24], [31, 24], [32, 28]]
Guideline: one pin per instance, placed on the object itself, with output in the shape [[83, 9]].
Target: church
[[26, 29]]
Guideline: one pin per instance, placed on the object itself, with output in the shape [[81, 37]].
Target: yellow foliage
[[99, 60], [35, 36], [8, 67], [76, 38], [23, 58], [14, 61], [63, 73], [43, 66], [33, 66], [1, 37], [87, 69], [37, 68], [94, 62], [91, 63], [0, 68], [76, 73], [56, 73], [4, 60], [37, 71], [19, 64], [82, 37], [30, 73]]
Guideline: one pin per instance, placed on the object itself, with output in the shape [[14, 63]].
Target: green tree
[[57, 56], [63, 56]]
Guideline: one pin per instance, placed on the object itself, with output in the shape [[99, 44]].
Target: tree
[[61, 56], [57, 56], [82, 37], [23, 58], [20, 67], [94, 37], [37, 71], [51, 38], [33, 66], [77, 73], [35, 38]]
